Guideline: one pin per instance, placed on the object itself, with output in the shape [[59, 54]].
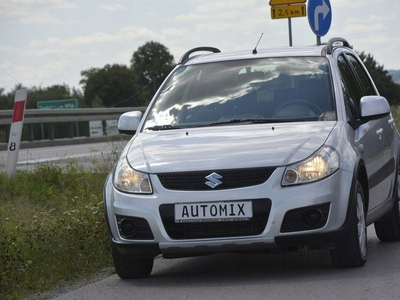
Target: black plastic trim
[[333, 40], [185, 57], [142, 250]]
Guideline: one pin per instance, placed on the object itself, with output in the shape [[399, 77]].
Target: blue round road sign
[[319, 14]]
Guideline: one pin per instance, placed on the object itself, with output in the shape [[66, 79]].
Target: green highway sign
[[58, 104]]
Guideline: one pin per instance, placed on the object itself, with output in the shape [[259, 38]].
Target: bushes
[[52, 228]]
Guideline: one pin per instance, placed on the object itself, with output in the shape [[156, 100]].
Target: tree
[[6, 100], [152, 62], [111, 86], [382, 79]]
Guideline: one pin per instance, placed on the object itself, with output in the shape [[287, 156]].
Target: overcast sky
[[47, 42]]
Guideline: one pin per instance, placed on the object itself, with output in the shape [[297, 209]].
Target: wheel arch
[[106, 196], [362, 176]]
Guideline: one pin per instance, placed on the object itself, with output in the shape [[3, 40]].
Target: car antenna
[[255, 48]]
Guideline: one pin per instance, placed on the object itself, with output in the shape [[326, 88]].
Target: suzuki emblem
[[213, 180]]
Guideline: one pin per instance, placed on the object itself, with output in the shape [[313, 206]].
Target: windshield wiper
[[162, 127], [249, 121]]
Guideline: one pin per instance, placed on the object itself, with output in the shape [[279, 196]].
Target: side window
[[367, 87], [350, 109], [351, 92]]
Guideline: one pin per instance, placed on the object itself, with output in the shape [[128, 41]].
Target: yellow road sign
[[285, 2], [288, 11]]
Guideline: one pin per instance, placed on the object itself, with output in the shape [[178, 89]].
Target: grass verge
[[52, 228]]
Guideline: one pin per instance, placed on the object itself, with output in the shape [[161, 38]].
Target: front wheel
[[352, 251], [129, 267]]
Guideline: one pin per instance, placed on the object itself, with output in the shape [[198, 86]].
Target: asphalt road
[[84, 153], [298, 275]]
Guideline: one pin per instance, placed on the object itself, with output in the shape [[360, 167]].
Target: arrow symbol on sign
[[320, 9]]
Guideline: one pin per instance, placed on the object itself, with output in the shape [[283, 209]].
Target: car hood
[[226, 147]]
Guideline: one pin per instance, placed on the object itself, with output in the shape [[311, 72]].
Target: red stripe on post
[[18, 113]]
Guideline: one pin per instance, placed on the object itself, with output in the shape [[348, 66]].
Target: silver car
[[256, 151]]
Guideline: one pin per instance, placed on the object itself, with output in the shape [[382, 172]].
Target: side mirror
[[373, 107], [129, 122]]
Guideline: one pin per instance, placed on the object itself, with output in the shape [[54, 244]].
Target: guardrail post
[[87, 128], [70, 128], [51, 131], [30, 133], [7, 132]]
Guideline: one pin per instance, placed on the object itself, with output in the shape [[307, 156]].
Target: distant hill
[[395, 75]]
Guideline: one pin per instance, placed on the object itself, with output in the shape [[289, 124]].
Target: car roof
[[217, 55], [260, 53]]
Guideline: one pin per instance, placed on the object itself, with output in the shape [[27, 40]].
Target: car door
[[373, 138]]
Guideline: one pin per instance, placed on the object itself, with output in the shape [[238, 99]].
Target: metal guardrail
[[69, 116], [34, 116]]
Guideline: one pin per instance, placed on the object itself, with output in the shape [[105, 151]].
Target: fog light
[[311, 218], [128, 227]]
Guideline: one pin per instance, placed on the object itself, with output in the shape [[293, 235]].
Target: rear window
[[273, 89]]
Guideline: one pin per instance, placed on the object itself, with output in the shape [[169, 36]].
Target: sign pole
[[288, 9], [318, 40], [16, 131]]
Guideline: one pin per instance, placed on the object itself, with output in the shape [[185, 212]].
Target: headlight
[[129, 180], [321, 164]]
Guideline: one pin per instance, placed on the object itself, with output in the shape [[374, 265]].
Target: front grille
[[236, 178], [198, 230]]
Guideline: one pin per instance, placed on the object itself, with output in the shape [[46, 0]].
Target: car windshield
[[245, 91]]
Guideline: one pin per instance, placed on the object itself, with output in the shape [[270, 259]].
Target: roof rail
[[334, 40], [185, 57]]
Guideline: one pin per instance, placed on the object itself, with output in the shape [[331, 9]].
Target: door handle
[[390, 122], [379, 132]]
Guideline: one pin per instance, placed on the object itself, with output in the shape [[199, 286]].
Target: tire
[[129, 267], [388, 229], [352, 252]]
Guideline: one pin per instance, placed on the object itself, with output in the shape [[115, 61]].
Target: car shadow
[[231, 268]]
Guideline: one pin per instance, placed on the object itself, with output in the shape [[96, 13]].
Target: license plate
[[213, 211]]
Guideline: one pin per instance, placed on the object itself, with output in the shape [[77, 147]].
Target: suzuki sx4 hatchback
[[257, 151]]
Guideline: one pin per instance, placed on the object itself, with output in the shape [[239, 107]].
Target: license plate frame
[[218, 211]]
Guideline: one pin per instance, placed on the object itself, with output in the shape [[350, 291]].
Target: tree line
[[119, 85]]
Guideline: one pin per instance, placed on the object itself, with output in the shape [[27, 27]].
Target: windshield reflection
[[296, 88]]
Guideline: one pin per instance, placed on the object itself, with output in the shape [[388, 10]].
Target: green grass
[[52, 228], [396, 115]]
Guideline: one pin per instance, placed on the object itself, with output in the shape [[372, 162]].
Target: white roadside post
[[16, 131]]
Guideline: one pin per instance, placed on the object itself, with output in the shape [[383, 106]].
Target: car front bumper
[[332, 192]]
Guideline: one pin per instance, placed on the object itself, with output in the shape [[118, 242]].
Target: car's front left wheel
[[352, 251], [129, 267]]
